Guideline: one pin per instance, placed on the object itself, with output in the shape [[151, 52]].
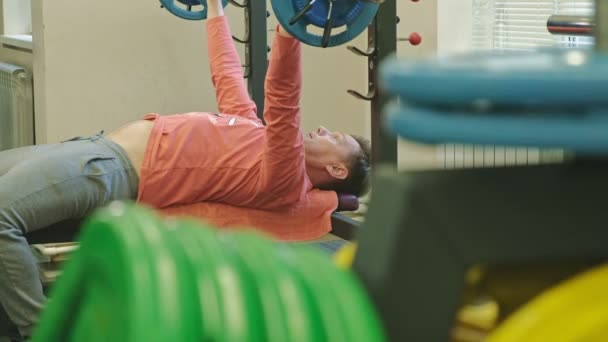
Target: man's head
[[337, 161]]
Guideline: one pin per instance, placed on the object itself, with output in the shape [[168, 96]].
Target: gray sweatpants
[[42, 185]]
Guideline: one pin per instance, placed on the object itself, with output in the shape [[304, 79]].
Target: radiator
[[16, 107]]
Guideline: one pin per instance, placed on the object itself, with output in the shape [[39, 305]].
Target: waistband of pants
[[122, 155]]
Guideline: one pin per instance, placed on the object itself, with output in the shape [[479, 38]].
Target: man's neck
[[317, 176]]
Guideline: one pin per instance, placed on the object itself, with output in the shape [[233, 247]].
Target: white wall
[[420, 17], [98, 65], [454, 26]]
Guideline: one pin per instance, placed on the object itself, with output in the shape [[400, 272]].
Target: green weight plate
[[211, 294], [316, 291], [357, 312], [291, 316], [110, 288], [67, 316], [324, 282], [266, 284], [172, 278], [239, 306], [207, 296]]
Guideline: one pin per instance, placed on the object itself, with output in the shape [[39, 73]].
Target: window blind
[[522, 24]]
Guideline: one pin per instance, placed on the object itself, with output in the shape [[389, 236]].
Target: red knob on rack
[[414, 39]]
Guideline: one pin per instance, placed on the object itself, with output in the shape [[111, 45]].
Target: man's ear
[[338, 171]]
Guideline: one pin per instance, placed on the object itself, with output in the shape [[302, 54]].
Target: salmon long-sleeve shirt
[[231, 157]]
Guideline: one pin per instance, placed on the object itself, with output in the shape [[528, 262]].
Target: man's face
[[325, 148]]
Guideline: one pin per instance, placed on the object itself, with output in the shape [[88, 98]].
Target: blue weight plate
[[183, 13], [190, 2], [545, 78], [356, 21], [345, 12], [583, 132]]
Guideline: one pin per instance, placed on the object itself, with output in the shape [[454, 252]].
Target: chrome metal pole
[[572, 25]]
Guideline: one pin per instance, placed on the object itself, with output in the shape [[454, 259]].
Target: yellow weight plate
[[576, 310]]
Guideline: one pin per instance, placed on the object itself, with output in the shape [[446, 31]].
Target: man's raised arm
[[283, 171], [226, 71]]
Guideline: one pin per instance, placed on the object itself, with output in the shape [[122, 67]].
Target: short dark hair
[[357, 182]]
